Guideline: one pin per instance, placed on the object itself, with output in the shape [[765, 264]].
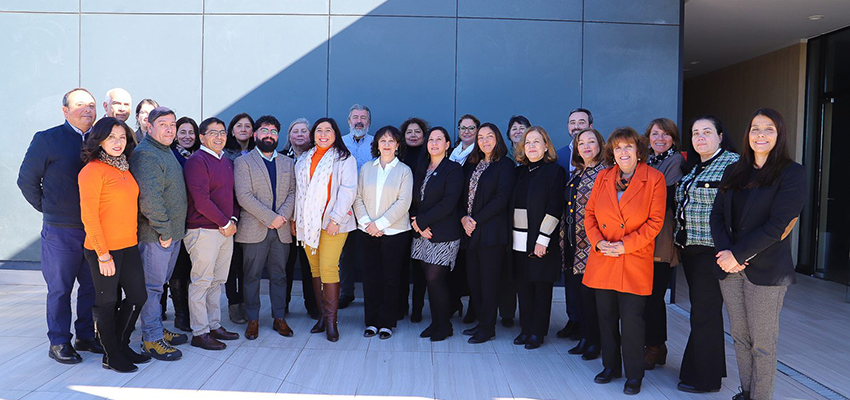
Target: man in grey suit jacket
[[265, 190]]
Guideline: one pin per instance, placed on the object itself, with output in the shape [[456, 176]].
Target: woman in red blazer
[[624, 214]]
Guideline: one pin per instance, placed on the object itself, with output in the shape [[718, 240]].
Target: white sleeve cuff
[[543, 240], [382, 223], [230, 222]]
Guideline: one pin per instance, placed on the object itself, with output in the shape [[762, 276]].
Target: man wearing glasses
[[265, 190], [211, 224]]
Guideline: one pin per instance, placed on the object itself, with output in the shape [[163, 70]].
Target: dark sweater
[[162, 191], [209, 182], [48, 175]]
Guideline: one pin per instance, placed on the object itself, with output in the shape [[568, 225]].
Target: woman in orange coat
[[622, 217]]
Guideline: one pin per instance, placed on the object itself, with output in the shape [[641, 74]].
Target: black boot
[[163, 302], [112, 356], [320, 304], [128, 314], [180, 299]]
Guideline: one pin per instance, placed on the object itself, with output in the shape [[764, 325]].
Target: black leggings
[[438, 295], [233, 286], [128, 273]]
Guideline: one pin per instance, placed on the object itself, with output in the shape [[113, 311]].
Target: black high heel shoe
[[580, 348]]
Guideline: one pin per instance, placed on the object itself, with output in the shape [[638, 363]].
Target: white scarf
[[311, 196], [459, 155]]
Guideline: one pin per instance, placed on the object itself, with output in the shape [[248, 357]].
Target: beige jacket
[[254, 195], [391, 215]]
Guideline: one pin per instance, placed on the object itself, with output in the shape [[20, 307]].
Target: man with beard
[[265, 190], [48, 181], [578, 120], [359, 143]]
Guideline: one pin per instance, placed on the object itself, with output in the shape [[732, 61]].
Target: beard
[[358, 130], [267, 145]]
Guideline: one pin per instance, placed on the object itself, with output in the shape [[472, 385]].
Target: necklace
[[531, 169]]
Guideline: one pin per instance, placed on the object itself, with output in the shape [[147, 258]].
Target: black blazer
[[490, 207], [439, 209], [545, 196], [768, 212]]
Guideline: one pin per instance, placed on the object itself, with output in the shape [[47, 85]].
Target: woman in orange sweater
[[622, 217], [109, 204]]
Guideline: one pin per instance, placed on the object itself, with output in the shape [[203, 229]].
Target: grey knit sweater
[[162, 191]]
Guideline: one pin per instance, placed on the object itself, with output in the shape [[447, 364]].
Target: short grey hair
[[109, 92], [297, 121], [360, 107], [80, 89]]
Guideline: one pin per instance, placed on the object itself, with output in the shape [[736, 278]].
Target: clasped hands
[[610, 249], [426, 234], [727, 262]]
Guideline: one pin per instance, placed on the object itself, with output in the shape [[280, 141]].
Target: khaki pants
[[210, 253], [324, 260]]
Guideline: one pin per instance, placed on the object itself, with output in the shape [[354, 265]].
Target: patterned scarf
[[311, 196], [119, 162], [622, 183], [655, 160], [183, 152]]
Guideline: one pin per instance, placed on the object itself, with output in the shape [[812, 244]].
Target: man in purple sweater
[[211, 224]]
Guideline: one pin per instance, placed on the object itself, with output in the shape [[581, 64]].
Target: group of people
[[190, 208]]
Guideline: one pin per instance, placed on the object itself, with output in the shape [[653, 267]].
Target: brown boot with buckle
[[252, 331], [331, 293], [654, 355], [320, 304], [221, 334], [281, 327]]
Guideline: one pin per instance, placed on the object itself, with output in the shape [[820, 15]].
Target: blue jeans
[[158, 263], [62, 263]]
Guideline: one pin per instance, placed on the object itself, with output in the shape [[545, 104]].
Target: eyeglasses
[[216, 133], [466, 128], [266, 131]]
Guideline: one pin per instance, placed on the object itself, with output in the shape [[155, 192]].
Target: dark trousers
[[535, 306], [655, 313], [411, 269], [383, 258], [129, 274], [234, 286], [350, 264], [483, 271], [62, 263], [589, 314], [704, 361], [616, 308], [270, 254], [297, 254], [507, 290], [457, 279], [572, 296]]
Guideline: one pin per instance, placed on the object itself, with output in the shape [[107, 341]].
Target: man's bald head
[[118, 104]]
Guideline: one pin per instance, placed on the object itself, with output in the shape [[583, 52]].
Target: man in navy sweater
[[48, 181]]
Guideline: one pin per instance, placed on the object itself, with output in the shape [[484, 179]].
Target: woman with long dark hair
[[109, 207], [761, 197], [711, 151], [488, 183], [326, 185], [588, 160], [437, 185]]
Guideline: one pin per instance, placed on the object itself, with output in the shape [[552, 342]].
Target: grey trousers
[[754, 320], [270, 253], [210, 253]]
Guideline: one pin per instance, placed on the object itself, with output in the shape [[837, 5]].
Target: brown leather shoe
[[207, 342], [222, 334], [654, 355], [251, 332], [281, 327]]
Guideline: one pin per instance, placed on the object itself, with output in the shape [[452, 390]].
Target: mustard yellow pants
[[324, 260]]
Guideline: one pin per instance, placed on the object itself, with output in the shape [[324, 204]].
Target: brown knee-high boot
[[331, 294], [320, 303]]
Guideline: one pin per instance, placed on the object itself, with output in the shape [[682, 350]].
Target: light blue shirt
[[361, 150]]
